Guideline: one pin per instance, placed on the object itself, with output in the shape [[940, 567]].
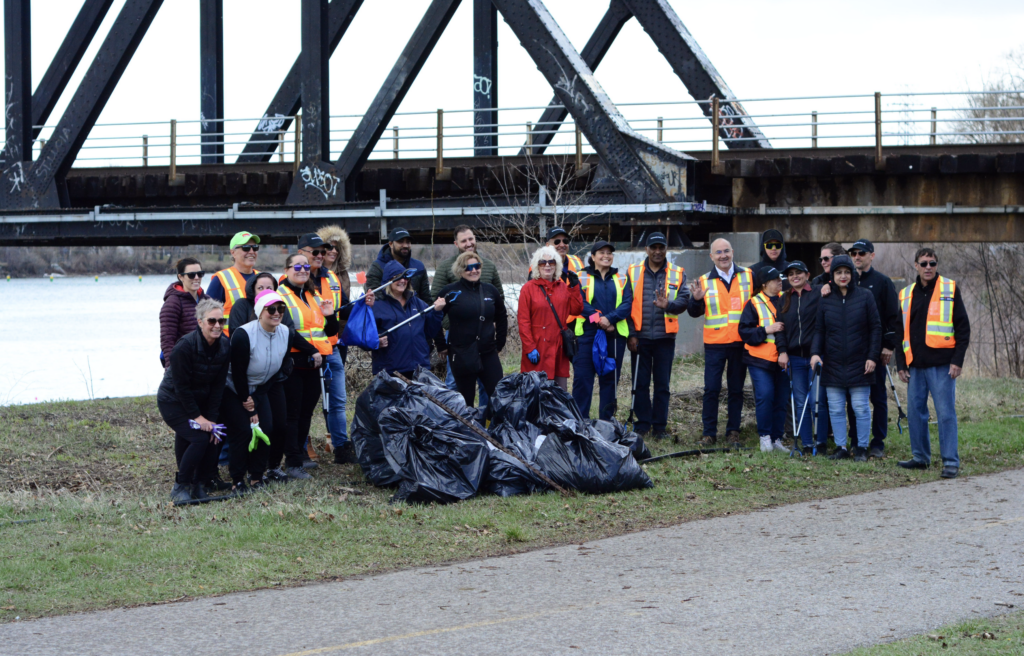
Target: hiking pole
[[817, 403], [795, 451], [902, 415], [408, 273], [803, 413], [482, 433], [631, 419], [325, 393], [451, 296]]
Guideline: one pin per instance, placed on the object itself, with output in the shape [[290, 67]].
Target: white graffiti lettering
[[482, 85], [203, 121], [17, 177], [269, 124], [320, 180]]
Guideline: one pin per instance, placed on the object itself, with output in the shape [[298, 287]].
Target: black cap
[[557, 230], [601, 244], [310, 240], [398, 234], [657, 238], [768, 273], [798, 265], [862, 245]]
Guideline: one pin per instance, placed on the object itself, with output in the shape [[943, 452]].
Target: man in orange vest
[[228, 285], [659, 293], [936, 333], [719, 296]]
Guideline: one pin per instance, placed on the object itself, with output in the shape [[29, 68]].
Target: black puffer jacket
[[464, 315], [800, 319], [197, 375], [848, 333]]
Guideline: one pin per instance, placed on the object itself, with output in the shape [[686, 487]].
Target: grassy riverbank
[[1002, 635], [97, 474]]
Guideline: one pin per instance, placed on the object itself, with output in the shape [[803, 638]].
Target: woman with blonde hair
[[479, 326], [545, 305]]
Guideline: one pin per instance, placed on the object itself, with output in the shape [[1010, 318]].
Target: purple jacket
[[177, 318]]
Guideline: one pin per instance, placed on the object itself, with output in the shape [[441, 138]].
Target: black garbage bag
[[383, 392], [613, 431], [449, 397], [575, 458], [435, 464], [507, 476], [516, 398], [555, 407]]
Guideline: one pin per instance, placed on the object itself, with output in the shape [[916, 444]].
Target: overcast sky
[[761, 48]]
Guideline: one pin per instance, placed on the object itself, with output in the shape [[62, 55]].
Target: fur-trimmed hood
[[337, 236]]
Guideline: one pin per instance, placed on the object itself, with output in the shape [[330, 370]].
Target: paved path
[[812, 578]]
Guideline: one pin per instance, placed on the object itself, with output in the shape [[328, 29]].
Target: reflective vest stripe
[[587, 285], [765, 317], [308, 320], [674, 276], [723, 306], [333, 291], [939, 323], [234, 288]]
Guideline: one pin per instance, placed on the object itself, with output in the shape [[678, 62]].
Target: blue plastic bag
[[361, 328], [603, 363]]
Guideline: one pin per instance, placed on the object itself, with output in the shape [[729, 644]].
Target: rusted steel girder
[[645, 171]]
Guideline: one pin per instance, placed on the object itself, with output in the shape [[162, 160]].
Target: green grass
[[980, 637], [99, 473]]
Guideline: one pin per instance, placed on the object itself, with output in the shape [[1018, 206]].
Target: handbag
[[466, 360], [569, 344]]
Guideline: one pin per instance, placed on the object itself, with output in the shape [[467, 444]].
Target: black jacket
[[197, 375], [753, 333], [766, 261], [881, 287], [800, 319], [847, 333], [925, 356], [464, 316]]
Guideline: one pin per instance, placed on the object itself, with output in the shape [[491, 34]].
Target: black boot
[[199, 492], [217, 484], [345, 454], [180, 493], [860, 454]]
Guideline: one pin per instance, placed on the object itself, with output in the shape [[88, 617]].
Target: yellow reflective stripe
[[764, 315]]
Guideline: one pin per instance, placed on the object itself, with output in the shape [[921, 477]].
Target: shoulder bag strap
[[553, 310]]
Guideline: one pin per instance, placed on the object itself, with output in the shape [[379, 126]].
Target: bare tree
[[996, 116]]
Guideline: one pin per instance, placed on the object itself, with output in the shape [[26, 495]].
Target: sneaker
[[777, 446], [876, 452], [345, 454], [808, 451], [839, 454], [913, 463], [309, 464], [949, 472], [297, 472], [180, 493], [199, 492], [860, 454], [766, 443], [708, 440], [276, 476], [822, 449], [240, 489]]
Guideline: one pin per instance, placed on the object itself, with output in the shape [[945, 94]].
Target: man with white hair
[[720, 296]]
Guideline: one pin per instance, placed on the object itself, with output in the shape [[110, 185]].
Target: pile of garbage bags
[[402, 437]]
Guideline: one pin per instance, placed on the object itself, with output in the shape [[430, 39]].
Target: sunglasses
[[857, 253], [328, 248], [827, 258], [928, 264], [216, 322], [302, 267], [250, 247], [476, 266], [275, 309], [773, 246], [192, 275], [547, 263], [316, 252], [558, 242]]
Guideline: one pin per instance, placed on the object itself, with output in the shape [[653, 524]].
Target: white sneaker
[[777, 446], [766, 443]]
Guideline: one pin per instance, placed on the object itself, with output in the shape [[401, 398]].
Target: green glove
[[257, 434]]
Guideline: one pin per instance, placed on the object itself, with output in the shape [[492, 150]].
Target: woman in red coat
[[539, 332]]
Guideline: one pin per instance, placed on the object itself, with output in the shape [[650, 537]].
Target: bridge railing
[[864, 120]]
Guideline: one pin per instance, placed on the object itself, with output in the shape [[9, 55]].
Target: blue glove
[[533, 356]]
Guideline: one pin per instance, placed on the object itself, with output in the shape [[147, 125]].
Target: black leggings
[[302, 392], [490, 373], [273, 416], [195, 454]]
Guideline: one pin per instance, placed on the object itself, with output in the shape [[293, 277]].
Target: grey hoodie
[[266, 353]]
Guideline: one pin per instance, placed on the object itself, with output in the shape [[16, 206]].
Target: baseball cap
[[557, 230], [656, 238], [398, 234], [265, 298], [862, 245], [310, 240], [242, 237], [768, 273], [601, 244], [798, 265]]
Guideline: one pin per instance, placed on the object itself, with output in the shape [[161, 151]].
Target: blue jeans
[[583, 376], [716, 361], [449, 380], [337, 422], [771, 400], [861, 411], [879, 411], [653, 359], [943, 389], [803, 377]]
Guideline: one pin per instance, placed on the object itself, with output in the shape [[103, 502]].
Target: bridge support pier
[[485, 78], [18, 84]]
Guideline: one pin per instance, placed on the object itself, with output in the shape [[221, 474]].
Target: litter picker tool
[[493, 442], [325, 393], [902, 415], [803, 413], [795, 451], [408, 273], [693, 452], [817, 403], [451, 296], [631, 420]]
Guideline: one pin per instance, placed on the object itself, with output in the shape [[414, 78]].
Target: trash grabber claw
[[899, 408], [795, 451], [408, 273]]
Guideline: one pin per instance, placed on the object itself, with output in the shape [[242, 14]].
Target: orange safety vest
[[330, 287], [723, 306], [308, 320], [674, 276], [234, 288], [938, 331], [765, 316]]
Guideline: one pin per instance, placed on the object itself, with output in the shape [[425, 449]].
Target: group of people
[[254, 350]]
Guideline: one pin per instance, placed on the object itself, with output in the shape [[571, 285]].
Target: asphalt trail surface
[[811, 578]]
